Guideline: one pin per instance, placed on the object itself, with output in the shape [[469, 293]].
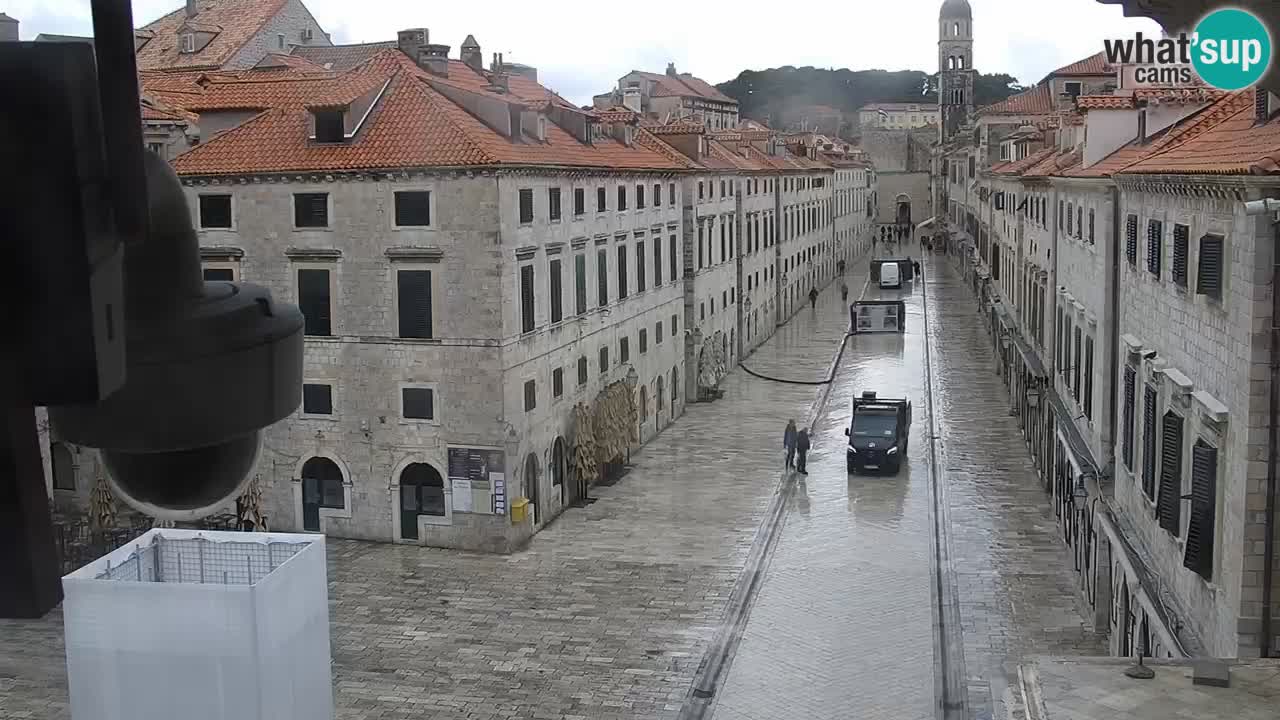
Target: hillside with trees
[[787, 97]]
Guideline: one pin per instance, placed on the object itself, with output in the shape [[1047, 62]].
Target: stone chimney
[[409, 41], [631, 99], [434, 59], [8, 29], [191, 8], [671, 69], [471, 54], [498, 75]]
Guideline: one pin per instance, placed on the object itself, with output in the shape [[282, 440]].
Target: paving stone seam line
[[948, 648], [719, 657]]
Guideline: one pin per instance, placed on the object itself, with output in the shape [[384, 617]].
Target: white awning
[[927, 223]]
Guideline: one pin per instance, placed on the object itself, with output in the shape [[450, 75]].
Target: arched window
[[951, 62], [955, 30], [421, 493], [960, 62], [325, 479]]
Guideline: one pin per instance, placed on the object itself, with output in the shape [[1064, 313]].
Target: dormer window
[[330, 126], [188, 42]]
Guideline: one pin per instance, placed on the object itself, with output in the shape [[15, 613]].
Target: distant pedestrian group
[[797, 447]]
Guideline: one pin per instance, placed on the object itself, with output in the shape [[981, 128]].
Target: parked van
[[890, 275]]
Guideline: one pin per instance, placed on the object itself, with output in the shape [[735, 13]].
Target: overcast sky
[[581, 49]]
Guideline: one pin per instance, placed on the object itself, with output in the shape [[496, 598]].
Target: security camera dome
[[208, 366]]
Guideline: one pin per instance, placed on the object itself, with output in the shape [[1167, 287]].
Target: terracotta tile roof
[[1058, 163], [1092, 65], [156, 110], [1036, 101], [342, 57], [920, 107], [1179, 95], [676, 128], [234, 21], [412, 125], [1106, 102], [683, 85], [1221, 140], [617, 114], [1116, 161], [273, 61], [1017, 167]]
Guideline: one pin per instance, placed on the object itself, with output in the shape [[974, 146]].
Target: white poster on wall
[[462, 495]]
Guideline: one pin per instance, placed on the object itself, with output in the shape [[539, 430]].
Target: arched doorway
[[421, 493], [559, 469], [903, 204], [321, 488], [64, 469], [675, 390], [531, 486]]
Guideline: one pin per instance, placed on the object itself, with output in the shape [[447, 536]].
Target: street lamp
[[633, 378], [1033, 397], [696, 335]]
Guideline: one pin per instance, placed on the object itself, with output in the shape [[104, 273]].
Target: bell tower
[[955, 66]]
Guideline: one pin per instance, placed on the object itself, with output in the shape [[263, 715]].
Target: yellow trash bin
[[519, 510]]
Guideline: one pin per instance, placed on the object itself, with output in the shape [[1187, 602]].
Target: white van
[[890, 275]]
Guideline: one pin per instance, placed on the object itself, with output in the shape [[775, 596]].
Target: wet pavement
[[611, 610]]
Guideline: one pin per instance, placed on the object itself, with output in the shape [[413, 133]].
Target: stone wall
[[292, 19]]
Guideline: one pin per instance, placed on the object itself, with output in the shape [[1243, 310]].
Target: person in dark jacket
[[915, 268], [789, 442], [813, 298], [802, 449]]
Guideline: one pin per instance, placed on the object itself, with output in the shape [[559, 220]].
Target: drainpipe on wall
[[1113, 268]]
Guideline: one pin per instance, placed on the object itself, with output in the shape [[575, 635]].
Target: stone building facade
[[898, 116], [672, 97]]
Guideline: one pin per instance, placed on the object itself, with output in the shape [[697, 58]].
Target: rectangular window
[[413, 208], [1088, 378], [604, 360], [624, 350], [1131, 240], [1126, 431], [1209, 269], [215, 211], [314, 301], [413, 288], [723, 191], [419, 403], [602, 278], [553, 203], [671, 194], [1198, 557], [317, 399], [622, 272], [1169, 504], [644, 340], [700, 246], [1062, 208], [530, 395], [1070, 218], [640, 274], [580, 283], [657, 195], [527, 320], [657, 261], [311, 210], [700, 196], [579, 201], [1075, 365], [526, 206], [582, 370], [622, 198], [1155, 242], [639, 197], [219, 274], [602, 199], [657, 333], [1092, 239], [675, 265], [557, 382], [1149, 441], [1181, 241], [675, 324], [557, 292]]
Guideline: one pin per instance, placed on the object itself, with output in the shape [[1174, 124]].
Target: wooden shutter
[[1204, 504], [1088, 378], [1075, 365], [675, 266], [1131, 240], [1155, 236], [1209, 270], [526, 299], [1126, 437], [1181, 234], [640, 258], [413, 208], [526, 206], [580, 283], [1169, 504], [1149, 441], [557, 291], [414, 288], [622, 272], [311, 210], [657, 261], [317, 399], [313, 301]]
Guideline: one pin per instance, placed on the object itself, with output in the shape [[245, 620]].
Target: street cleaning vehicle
[[878, 433]]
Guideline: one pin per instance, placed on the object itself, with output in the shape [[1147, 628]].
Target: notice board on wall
[[479, 475]]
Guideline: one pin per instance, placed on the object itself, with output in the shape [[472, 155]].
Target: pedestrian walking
[[802, 449], [844, 291], [789, 442], [813, 298], [915, 268]]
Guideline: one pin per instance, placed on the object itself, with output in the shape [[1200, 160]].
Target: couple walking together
[[797, 445]]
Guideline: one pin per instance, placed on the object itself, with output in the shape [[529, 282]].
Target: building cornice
[[1233, 187], [407, 174]]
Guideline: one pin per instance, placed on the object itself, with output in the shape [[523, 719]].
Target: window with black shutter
[[622, 198], [657, 195], [1209, 269], [1198, 557], [1092, 239], [639, 197], [580, 283], [1169, 503], [602, 200], [530, 395], [526, 206], [1062, 208], [624, 350], [526, 299], [582, 370], [215, 211], [1131, 240], [644, 340], [219, 274], [657, 261], [1181, 242], [557, 382], [640, 267], [604, 360], [1149, 441], [1070, 219], [1155, 242], [622, 272], [1075, 366], [671, 194], [314, 301], [579, 201], [414, 303], [700, 243], [317, 399], [557, 292], [657, 333], [1088, 378], [311, 210], [1080, 221], [553, 203], [413, 208], [602, 278], [1126, 432], [419, 403], [675, 324], [671, 256], [1059, 328]]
